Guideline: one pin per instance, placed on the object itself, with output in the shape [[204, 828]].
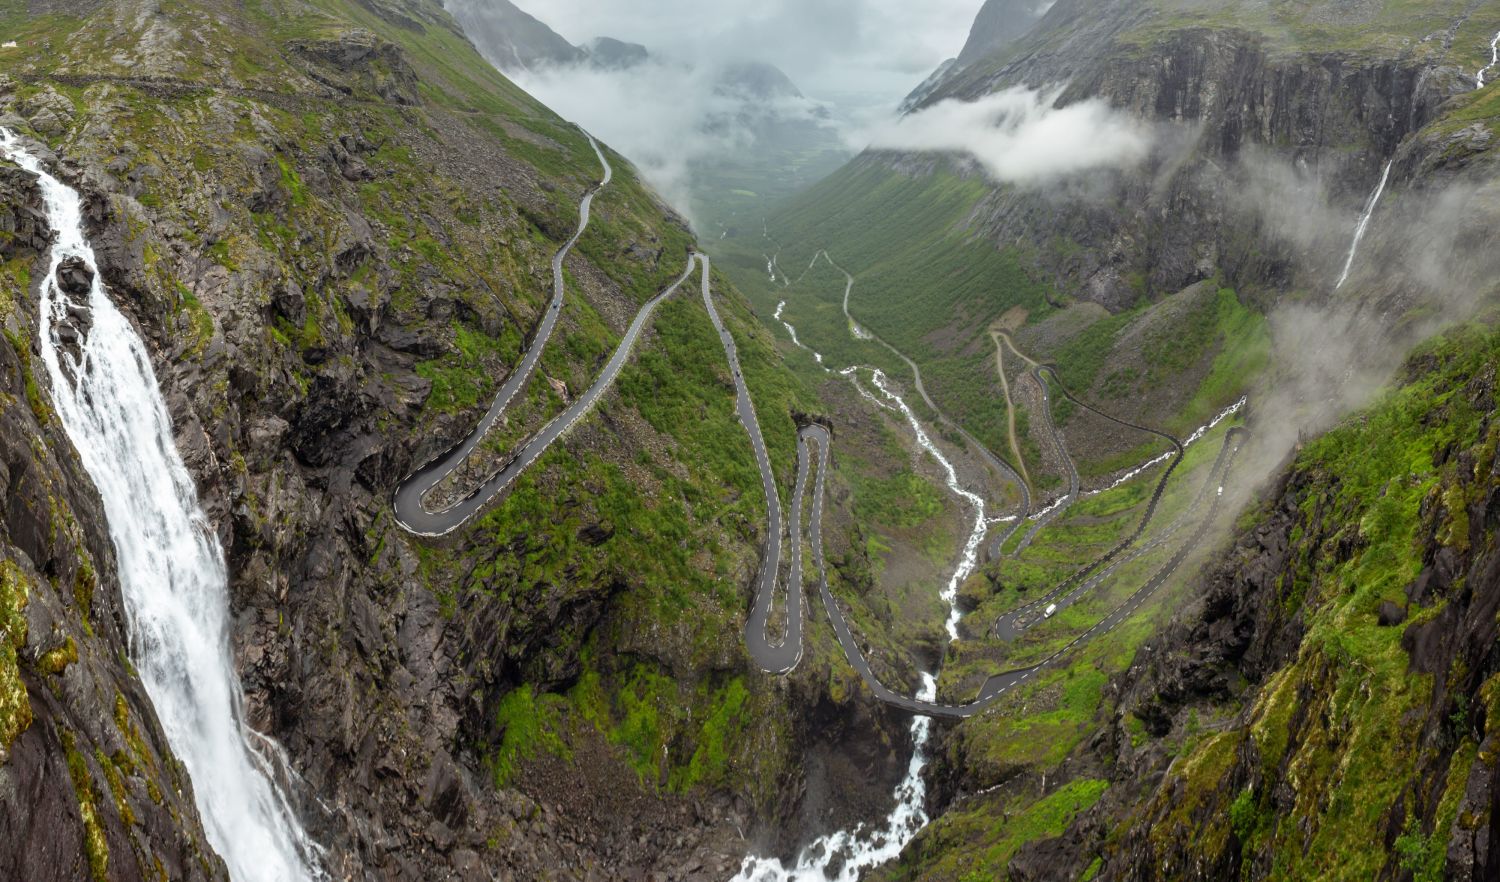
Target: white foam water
[[970, 558], [843, 856], [173, 577], [1364, 224], [792, 332], [1494, 61], [852, 374]]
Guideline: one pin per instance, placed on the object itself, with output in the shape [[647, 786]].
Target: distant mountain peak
[[1000, 23], [612, 54], [511, 38], [756, 80]]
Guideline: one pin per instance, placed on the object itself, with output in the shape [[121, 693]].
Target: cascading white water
[[860, 849], [852, 373], [792, 332], [970, 558], [1494, 62], [172, 571], [854, 851], [1364, 224]]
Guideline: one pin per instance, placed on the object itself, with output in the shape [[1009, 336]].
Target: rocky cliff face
[[512, 38], [1240, 116]]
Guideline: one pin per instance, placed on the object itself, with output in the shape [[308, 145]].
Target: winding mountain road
[[995, 687], [776, 657], [1007, 626], [774, 654], [1065, 594], [1010, 407], [409, 504], [1048, 515]]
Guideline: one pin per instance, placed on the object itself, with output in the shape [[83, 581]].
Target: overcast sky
[[850, 52]]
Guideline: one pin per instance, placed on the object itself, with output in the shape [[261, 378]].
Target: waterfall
[[1364, 224], [970, 557], [792, 331], [173, 577], [857, 850], [854, 851], [1494, 61]]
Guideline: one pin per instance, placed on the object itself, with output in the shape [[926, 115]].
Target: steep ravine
[[1346, 649], [1325, 704]]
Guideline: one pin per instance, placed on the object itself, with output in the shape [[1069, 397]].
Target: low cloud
[[666, 116], [1020, 135], [1428, 263], [830, 48]]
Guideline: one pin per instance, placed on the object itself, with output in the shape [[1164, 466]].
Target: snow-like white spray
[[173, 577], [1364, 224]]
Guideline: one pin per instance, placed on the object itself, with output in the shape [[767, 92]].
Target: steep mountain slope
[[333, 223], [999, 24]]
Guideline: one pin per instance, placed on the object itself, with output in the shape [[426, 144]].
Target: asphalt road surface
[[411, 510]]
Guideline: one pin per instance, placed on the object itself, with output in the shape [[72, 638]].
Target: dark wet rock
[[75, 277], [49, 112], [350, 166], [1390, 614], [357, 62]]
